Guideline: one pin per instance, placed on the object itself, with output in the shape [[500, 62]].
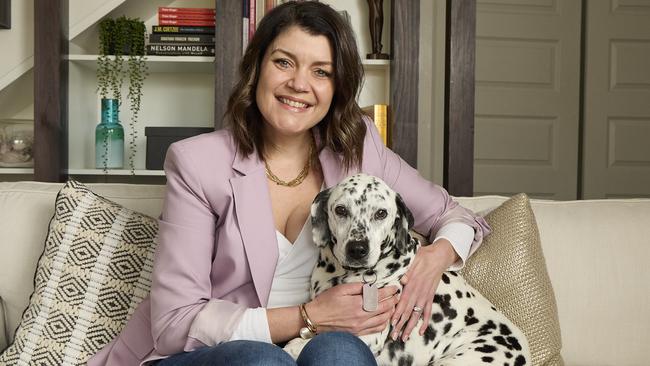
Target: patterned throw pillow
[[509, 269], [94, 271]]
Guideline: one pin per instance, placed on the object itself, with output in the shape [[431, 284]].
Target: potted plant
[[121, 39]]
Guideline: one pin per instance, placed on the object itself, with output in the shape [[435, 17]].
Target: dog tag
[[370, 297]]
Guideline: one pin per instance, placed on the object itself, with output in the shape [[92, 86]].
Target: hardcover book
[[168, 9], [181, 38], [183, 29], [181, 22], [185, 16], [180, 50]]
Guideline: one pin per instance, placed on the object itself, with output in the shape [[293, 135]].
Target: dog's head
[[361, 218]]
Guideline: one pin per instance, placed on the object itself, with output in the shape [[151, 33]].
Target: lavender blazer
[[217, 248]]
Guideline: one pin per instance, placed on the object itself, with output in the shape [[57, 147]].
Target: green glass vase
[[109, 137]]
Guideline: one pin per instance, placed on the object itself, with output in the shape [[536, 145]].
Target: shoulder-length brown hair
[[342, 129]]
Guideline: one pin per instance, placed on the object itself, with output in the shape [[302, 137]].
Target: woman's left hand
[[420, 283]]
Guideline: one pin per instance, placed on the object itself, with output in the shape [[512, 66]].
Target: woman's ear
[[403, 223], [319, 219]]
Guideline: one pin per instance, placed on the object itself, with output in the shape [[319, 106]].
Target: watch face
[[305, 333]]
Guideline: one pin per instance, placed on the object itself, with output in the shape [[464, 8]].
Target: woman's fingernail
[[393, 322], [394, 336]]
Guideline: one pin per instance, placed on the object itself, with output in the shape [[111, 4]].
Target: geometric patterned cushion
[[94, 271], [510, 270]]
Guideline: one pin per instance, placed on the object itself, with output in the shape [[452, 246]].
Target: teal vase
[[109, 137]]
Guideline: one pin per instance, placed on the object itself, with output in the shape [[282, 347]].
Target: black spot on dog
[[467, 294], [514, 342], [480, 340], [330, 268], [486, 348], [459, 294], [445, 279], [487, 328], [406, 360], [393, 348], [393, 267], [334, 281], [406, 262], [493, 308], [437, 317], [446, 348], [487, 359], [470, 318], [453, 273], [446, 329], [520, 360], [508, 355], [445, 305], [504, 330], [429, 335]]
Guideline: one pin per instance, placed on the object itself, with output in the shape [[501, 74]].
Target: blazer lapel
[[255, 218]]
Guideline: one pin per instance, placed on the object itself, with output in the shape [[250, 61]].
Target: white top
[[292, 276]]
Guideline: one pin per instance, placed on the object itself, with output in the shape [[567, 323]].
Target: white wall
[[17, 43]]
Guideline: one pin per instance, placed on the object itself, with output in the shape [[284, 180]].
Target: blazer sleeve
[[431, 205], [181, 287]]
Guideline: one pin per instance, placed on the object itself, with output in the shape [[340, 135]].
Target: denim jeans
[[327, 349]]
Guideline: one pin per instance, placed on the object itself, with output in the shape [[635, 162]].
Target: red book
[[252, 19], [172, 10], [209, 23], [186, 16]]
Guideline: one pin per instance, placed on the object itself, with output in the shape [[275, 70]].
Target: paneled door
[[617, 99], [527, 97]]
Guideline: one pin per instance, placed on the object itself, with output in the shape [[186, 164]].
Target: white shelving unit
[[179, 91]]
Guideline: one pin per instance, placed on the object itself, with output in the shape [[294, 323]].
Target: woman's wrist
[[443, 249]]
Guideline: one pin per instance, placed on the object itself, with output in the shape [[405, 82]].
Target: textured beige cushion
[[94, 271], [509, 269]]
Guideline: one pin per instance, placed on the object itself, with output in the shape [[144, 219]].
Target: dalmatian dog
[[362, 228]]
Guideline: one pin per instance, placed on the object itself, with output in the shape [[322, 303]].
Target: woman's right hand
[[340, 308]]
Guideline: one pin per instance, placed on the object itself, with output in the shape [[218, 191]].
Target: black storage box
[[159, 139]]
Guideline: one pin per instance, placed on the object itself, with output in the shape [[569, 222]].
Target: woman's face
[[296, 82]]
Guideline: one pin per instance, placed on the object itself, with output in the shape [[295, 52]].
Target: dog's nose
[[357, 249]]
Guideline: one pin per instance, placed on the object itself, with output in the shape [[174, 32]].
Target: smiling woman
[[236, 250]]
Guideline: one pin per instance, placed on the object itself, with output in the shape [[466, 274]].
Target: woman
[[235, 253]]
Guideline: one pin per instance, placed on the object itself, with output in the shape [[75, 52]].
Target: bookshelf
[[187, 91]]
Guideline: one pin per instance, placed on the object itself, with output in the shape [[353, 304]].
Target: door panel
[[617, 99], [527, 97]]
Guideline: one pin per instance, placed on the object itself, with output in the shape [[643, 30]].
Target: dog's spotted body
[[362, 227]]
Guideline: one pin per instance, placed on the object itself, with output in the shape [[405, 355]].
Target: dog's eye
[[381, 214], [341, 211]]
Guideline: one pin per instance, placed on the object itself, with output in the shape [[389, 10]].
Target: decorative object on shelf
[[379, 115], [16, 142], [5, 14], [159, 139], [109, 137], [117, 38], [376, 23]]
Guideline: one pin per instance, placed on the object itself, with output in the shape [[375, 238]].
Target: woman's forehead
[[297, 43]]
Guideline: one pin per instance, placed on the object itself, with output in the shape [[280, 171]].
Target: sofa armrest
[[3, 327]]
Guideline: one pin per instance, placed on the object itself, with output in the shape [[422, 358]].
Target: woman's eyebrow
[[292, 56]]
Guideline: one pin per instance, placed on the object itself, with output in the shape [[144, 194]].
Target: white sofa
[[597, 254]]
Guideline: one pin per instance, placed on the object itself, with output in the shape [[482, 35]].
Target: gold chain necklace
[[297, 180]]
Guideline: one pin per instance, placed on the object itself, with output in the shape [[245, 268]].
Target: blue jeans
[[327, 349]]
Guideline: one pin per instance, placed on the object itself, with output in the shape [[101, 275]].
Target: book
[[188, 16], [181, 38], [168, 9], [209, 23], [182, 29], [180, 50], [379, 115]]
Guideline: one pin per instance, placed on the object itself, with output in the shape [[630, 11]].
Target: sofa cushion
[[95, 269], [3, 333], [509, 269]]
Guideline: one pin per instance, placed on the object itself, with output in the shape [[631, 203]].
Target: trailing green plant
[[121, 37]]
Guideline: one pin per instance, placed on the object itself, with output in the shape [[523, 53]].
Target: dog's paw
[[295, 346]]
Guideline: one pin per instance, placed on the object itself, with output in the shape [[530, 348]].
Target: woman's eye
[[283, 63], [381, 214], [341, 211], [322, 73]]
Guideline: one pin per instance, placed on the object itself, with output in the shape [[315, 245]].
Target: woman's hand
[[340, 308], [420, 283]]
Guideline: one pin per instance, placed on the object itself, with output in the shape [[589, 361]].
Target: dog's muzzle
[[357, 250]]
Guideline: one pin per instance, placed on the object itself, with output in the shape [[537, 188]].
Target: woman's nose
[[299, 82]]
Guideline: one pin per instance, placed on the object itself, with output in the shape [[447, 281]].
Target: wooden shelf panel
[[16, 171]]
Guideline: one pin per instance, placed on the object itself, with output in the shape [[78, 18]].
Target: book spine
[[181, 38], [379, 115], [182, 29], [180, 50], [166, 9], [206, 23], [180, 16], [252, 18]]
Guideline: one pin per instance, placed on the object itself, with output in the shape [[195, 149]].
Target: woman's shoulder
[[207, 149]]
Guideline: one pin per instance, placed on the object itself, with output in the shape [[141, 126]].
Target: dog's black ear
[[403, 223], [319, 219]]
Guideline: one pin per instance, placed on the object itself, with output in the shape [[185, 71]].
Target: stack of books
[[183, 32]]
